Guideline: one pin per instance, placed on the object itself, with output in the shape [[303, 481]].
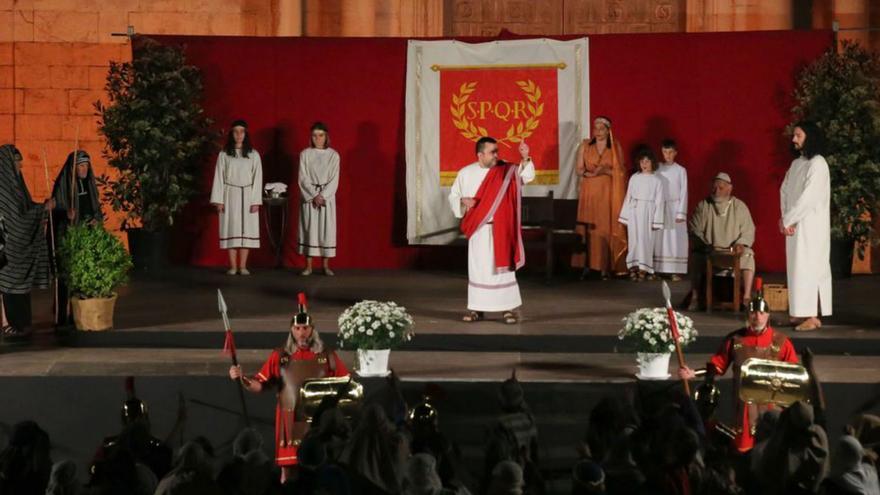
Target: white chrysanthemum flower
[[369, 332], [391, 334]]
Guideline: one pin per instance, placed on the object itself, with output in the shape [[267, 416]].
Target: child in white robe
[[671, 243], [642, 213]]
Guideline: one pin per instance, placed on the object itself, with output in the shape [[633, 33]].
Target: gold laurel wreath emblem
[[516, 133]]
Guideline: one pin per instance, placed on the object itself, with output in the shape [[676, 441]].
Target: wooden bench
[[554, 220], [547, 224]]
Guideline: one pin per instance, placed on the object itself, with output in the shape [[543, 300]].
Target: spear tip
[[667, 294], [221, 303]]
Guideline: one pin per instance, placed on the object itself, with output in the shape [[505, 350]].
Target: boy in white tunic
[[486, 195], [671, 243], [237, 196], [642, 213], [806, 222], [318, 182]]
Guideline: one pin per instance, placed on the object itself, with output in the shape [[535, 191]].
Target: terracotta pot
[[93, 314]]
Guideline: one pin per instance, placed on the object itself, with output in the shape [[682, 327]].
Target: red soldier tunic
[[287, 373], [739, 346]]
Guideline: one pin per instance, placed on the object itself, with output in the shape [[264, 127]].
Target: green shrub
[[156, 134], [840, 92], [93, 261]]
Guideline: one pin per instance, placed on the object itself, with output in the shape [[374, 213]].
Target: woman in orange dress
[[602, 188]]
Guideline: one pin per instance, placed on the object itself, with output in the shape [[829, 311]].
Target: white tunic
[[671, 243], [318, 174], [806, 204], [238, 185], [488, 290], [642, 213]]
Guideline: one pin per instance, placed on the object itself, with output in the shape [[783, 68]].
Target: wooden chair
[[724, 260]]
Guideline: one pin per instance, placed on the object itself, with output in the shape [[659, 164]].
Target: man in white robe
[[806, 222], [237, 196], [489, 288], [671, 243]]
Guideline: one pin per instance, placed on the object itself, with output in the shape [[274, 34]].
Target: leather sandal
[[808, 325], [12, 334], [510, 318], [472, 316]]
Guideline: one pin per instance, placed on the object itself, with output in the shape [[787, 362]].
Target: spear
[[673, 328], [229, 348], [51, 237]]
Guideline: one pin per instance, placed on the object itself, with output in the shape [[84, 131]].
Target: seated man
[[721, 222]]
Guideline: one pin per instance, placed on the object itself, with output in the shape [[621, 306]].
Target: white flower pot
[[372, 362], [653, 366]]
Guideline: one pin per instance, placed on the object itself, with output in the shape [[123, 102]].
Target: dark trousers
[[18, 310], [63, 313]]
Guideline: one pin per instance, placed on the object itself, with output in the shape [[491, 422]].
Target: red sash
[[499, 198]]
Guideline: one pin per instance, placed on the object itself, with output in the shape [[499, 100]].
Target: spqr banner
[[524, 90]]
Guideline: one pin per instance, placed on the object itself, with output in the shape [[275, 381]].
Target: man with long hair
[[806, 223], [486, 195], [237, 196], [303, 357]]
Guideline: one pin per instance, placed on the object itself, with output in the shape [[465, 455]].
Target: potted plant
[[93, 263], [156, 135], [646, 331], [840, 92], [373, 328]]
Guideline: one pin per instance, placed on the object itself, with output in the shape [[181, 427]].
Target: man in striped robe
[[27, 261]]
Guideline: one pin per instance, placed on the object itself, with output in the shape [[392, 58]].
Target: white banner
[[534, 90]]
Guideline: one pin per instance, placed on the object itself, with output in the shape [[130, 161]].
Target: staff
[[52, 239], [74, 204], [673, 327]]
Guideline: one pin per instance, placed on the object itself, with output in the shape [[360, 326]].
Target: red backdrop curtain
[[725, 97]]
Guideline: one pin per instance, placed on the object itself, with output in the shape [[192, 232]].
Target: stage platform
[[170, 325], [169, 334]]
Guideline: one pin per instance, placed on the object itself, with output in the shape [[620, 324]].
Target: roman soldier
[[136, 438], [757, 340], [302, 358]]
